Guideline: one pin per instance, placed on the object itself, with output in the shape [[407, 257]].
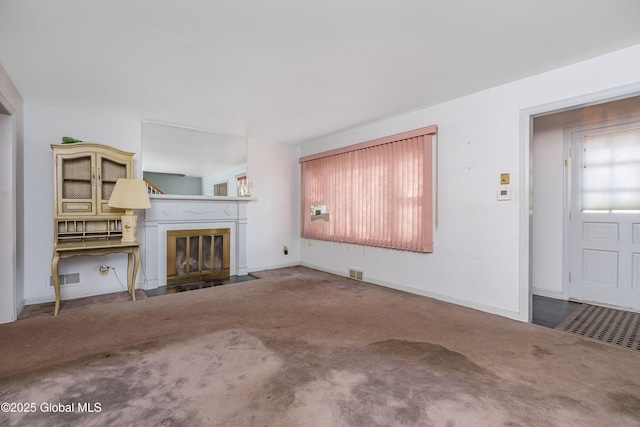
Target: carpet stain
[[626, 403], [541, 352], [433, 355], [410, 382]]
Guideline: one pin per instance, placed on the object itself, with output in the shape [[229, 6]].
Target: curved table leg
[[56, 281], [130, 284], [136, 264]]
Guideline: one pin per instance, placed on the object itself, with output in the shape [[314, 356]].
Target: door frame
[[525, 221], [8, 242]]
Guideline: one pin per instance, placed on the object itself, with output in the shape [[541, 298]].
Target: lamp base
[[129, 228]]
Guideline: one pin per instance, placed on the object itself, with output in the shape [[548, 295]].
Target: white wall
[[11, 207], [274, 218], [548, 184], [45, 125], [477, 251]]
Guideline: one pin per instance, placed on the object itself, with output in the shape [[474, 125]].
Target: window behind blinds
[[377, 193]]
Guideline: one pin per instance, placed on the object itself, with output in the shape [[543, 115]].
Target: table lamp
[[129, 194]]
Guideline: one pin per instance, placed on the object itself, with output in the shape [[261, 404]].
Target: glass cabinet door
[[75, 185], [109, 171]]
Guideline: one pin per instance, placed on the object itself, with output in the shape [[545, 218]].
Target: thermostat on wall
[[504, 194]]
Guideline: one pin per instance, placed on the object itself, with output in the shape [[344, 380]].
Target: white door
[[605, 216]]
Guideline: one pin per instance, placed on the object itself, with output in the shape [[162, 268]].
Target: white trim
[[200, 198], [608, 95], [566, 213], [273, 267], [6, 105], [65, 296], [9, 130], [20, 307], [174, 125], [525, 300]]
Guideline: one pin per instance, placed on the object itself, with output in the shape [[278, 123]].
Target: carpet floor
[[301, 347]]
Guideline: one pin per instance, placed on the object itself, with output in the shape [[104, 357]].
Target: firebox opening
[[194, 255]]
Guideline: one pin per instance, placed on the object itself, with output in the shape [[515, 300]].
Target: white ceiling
[[292, 70]]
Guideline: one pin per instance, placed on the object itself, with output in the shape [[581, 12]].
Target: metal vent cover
[[617, 327], [356, 274]]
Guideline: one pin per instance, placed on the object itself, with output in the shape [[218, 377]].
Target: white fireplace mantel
[[173, 212]]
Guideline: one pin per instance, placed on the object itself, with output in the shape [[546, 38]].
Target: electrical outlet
[[504, 194], [285, 250], [104, 269]]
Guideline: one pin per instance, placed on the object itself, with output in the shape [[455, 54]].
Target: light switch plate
[[504, 194], [504, 178]]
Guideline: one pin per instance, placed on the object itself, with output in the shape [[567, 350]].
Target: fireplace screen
[[194, 255]]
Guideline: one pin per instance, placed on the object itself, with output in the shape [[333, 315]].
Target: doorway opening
[[550, 202]]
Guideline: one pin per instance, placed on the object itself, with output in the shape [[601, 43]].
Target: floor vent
[[60, 280], [66, 279], [72, 278], [356, 274]]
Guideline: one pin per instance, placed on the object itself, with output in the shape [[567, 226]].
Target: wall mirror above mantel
[[181, 160]]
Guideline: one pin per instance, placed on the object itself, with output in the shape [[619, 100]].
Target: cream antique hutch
[[84, 177]]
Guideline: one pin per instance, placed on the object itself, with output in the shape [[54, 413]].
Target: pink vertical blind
[[378, 193]]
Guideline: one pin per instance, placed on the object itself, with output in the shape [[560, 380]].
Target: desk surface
[[94, 244]]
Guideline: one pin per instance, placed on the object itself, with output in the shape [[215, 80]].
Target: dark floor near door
[[172, 289], [550, 312]]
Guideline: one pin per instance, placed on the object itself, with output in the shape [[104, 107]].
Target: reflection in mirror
[[188, 161]]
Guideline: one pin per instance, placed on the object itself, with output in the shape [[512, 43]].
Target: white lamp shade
[[129, 194]]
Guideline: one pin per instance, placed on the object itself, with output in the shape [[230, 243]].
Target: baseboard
[[20, 308], [541, 292], [272, 267], [441, 297], [73, 295], [149, 284]]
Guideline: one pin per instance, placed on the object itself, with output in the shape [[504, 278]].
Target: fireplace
[[169, 213], [194, 255]]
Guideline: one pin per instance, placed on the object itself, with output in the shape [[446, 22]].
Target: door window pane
[[611, 171]]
